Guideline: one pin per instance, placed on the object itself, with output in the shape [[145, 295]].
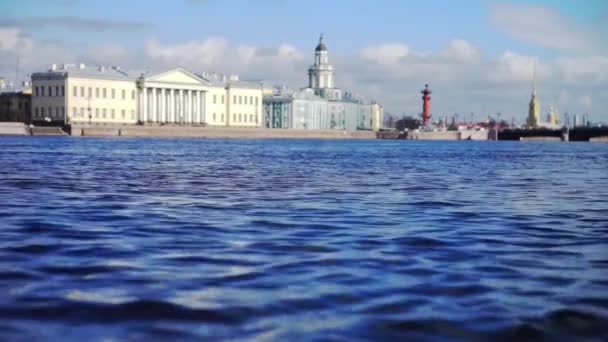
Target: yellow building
[[377, 116], [100, 95], [553, 117]]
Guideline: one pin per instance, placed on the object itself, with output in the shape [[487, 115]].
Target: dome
[[321, 46]]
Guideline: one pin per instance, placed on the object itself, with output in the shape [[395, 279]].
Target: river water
[[178, 239]]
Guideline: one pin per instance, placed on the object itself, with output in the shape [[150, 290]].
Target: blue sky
[[148, 32]]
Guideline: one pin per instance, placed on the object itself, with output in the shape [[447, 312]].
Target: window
[[81, 91], [57, 91], [90, 92], [41, 111], [51, 111], [214, 99], [57, 112], [256, 101], [63, 91], [124, 94], [112, 114], [222, 99], [240, 100], [240, 117], [245, 117], [41, 91], [82, 112], [97, 92], [113, 93], [50, 91], [222, 119], [250, 117], [104, 93], [234, 100], [213, 116], [132, 94], [75, 112], [245, 99], [36, 112], [75, 92], [234, 117], [132, 115], [122, 114], [103, 115], [250, 100], [96, 113], [63, 111], [36, 91]]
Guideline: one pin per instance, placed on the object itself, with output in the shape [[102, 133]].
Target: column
[[152, 116], [189, 100], [195, 113], [144, 111], [201, 96], [180, 106], [171, 107], [163, 106]]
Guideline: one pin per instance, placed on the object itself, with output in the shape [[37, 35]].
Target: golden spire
[[534, 79]]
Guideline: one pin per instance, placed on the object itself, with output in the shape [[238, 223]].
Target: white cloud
[[12, 39], [460, 50], [586, 101], [511, 66], [545, 26], [386, 54], [207, 51], [462, 78]]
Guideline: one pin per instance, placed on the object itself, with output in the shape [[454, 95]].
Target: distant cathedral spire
[[534, 107]]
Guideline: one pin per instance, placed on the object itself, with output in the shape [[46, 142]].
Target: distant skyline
[[477, 56]]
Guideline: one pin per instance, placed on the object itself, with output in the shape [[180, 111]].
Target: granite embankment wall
[[13, 128], [448, 135], [214, 132]]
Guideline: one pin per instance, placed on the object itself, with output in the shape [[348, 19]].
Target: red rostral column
[[426, 105]]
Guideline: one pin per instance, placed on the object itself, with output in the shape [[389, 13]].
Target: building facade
[[15, 106], [321, 105], [98, 95]]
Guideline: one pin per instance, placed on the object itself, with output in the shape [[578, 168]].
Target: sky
[[476, 55]]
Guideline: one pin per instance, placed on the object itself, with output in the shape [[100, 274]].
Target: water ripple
[[186, 239]]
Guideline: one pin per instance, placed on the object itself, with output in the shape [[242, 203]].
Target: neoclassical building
[[109, 95], [321, 105]]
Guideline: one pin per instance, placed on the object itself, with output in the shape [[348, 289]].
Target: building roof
[[222, 80], [81, 70]]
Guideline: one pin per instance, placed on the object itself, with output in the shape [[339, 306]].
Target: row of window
[[88, 113], [101, 93], [215, 99], [48, 91], [243, 100], [243, 118], [42, 112]]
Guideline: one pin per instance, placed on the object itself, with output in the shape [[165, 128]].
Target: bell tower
[[321, 73]]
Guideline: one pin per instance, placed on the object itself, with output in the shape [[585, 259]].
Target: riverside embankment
[[215, 132]]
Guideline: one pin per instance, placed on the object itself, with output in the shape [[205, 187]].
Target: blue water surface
[[178, 239]]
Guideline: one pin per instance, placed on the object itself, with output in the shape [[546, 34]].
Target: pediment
[[179, 76]]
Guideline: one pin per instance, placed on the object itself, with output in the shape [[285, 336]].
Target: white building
[[321, 105], [109, 95]]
